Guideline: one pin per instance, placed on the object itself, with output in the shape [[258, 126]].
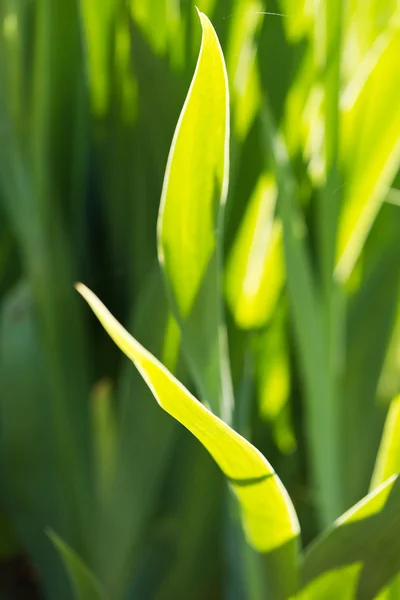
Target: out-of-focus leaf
[[272, 372], [144, 440], [33, 492], [198, 519], [360, 554], [388, 459], [364, 21], [9, 545], [388, 464], [126, 86], [98, 21], [306, 313], [298, 18], [255, 270], [84, 583], [269, 519], [242, 64], [190, 223], [151, 16], [104, 433], [371, 316], [162, 25], [33, 210], [389, 382], [370, 147], [302, 125]]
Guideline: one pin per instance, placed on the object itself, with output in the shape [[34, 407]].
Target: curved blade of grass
[[360, 554], [190, 222], [84, 583], [268, 517]]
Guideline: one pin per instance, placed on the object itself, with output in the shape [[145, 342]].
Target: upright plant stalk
[[328, 210], [307, 316]]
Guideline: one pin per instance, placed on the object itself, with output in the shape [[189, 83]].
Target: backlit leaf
[[190, 222], [360, 554], [269, 519]]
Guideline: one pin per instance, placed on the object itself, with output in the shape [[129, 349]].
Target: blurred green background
[[90, 93]]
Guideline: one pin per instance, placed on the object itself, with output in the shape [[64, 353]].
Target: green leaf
[[360, 554], [255, 271], [35, 491], [269, 519], [104, 429], [307, 316], [97, 22], [388, 459], [388, 464], [371, 317], [273, 379], [370, 148], [190, 222], [84, 583], [144, 440], [242, 64]]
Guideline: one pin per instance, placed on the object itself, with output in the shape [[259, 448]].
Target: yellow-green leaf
[[190, 220], [360, 554], [388, 459], [268, 516], [242, 64], [388, 464], [370, 145], [97, 20], [256, 271]]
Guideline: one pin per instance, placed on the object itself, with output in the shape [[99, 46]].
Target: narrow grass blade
[[360, 554], [269, 519], [190, 222], [84, 583]]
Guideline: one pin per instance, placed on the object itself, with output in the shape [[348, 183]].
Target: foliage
[[274, 300]]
